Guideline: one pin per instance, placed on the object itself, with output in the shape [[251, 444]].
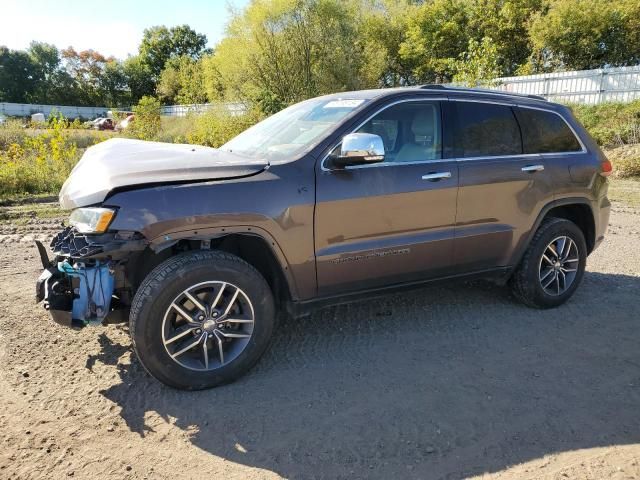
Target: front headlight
[[91, 220]]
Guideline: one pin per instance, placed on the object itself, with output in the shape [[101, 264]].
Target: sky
[[112, 27]]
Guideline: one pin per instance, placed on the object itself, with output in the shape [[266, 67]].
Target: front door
[[391, 222]]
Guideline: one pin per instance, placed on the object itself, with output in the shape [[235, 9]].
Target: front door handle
[[533, 168], [436, 176]]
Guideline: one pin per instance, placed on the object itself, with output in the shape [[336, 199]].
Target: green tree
[[113, 84], [138, 78], [506, 22], [585, 34], [46, 59], [383, 30], [479, 65], [182, 81], [277, 52], [437, 33], [17, 76], [160, 44]]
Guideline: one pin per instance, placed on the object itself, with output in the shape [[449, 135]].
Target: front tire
[[201, 319], [553, 265]]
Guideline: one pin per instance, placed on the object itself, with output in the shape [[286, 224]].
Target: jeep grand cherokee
[[333, 198]]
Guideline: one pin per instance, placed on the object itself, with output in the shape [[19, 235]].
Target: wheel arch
[[252, 244], [576, 209]]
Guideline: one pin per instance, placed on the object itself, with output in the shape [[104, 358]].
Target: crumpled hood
[[123, 162]]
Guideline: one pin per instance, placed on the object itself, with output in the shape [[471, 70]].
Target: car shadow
[[447, 382]]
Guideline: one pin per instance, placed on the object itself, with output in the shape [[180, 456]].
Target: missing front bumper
[[76, 295]]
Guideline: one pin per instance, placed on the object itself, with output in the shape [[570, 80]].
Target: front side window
[[292, 130], [487, 130], [546, 132], [410, 131]]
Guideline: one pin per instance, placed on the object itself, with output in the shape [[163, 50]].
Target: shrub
[[216, 127], [611, 124], [38, 162], [146, 124], [626, 160]]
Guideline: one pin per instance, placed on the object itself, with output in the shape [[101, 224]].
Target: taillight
[[607, 168]]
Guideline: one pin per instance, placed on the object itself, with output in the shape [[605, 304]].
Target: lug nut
[[200, 317], [198, 331]]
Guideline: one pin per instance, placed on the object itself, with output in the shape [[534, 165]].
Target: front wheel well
[[582, 216], [251, 248]]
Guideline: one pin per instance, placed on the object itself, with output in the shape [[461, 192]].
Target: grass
[[625, 190]]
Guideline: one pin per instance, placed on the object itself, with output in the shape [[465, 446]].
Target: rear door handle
[[436, 176], [533, 168]]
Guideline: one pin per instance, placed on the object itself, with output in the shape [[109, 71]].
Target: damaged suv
[[337, 197]]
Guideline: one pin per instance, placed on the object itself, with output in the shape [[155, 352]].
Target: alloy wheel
[[208, 325], [558, 266]]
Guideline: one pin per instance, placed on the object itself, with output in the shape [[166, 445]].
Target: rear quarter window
[[546, 132]]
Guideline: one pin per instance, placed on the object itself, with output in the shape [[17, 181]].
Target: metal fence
[[27, 109], [184, 110], [620, 84]]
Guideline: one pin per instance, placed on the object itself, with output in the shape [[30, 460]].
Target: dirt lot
[[448, 382]]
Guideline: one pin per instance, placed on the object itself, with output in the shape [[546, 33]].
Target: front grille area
[[72, 243]]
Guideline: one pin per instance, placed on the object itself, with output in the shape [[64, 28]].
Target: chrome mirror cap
[[362, 147], [358, 149]]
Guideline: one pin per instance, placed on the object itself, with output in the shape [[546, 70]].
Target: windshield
[[292, 130]]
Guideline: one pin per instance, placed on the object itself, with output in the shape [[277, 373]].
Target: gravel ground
[[450, 382]]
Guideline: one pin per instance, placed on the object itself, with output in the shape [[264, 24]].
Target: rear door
[[391, 222], [502, 189]]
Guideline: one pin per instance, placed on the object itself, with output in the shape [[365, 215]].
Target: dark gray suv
[[333, 198]]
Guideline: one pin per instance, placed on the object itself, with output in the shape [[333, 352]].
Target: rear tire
[[547, 277], [184, 301]]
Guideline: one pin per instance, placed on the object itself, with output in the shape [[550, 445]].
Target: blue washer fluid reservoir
[[93, 295]]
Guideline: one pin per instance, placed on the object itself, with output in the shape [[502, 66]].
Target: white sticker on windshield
[[343, 104]]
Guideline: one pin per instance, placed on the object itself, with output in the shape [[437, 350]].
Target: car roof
[[441, 89]]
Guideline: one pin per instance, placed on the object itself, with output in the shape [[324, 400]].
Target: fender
[[166, 240], [543, 213]]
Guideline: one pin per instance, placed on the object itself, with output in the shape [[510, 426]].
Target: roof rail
[[439, 86], [433, 86]]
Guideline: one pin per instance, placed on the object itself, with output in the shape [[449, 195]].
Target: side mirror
[[359, 149]]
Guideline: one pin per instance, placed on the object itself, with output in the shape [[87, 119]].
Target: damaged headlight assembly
[[77, 286], [92, 220]]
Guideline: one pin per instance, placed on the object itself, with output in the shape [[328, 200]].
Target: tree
[[479, 65], [383, 30], [506, 22], [138, 78], [17, 76], [160, 44], [182, 81], [46, 60], [277, 52], [113, 84], [586, 34], [86, 68], [437, 33]]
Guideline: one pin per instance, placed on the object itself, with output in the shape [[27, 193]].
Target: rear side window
[[487, 130], [546, 132]]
